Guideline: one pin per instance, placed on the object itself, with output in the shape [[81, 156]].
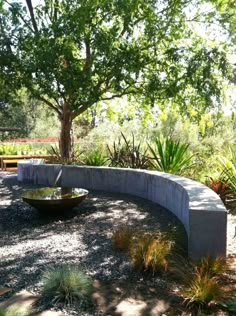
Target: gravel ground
[[30, 242]]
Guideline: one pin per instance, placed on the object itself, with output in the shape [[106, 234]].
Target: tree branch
[[118, 95], [21, 16], [49, 104], [31, 11], [84, 107], [81, 110]]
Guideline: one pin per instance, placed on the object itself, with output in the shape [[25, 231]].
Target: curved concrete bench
[[196, 206]]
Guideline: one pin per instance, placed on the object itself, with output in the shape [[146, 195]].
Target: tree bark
[[65, 135]]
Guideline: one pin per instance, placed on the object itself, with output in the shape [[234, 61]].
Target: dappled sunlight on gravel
[[31, 241]]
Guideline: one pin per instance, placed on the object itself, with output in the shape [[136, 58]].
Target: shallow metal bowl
[[54, 199]]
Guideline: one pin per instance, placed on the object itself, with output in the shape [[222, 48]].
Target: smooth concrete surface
[[197, 207]]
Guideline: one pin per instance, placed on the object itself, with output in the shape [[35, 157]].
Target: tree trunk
[[65, 136]]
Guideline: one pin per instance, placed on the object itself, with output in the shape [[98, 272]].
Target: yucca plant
[[122, 238], [151, 253], [67, 284], [14, 311], [95, 158], [126, 153], [170, 156]]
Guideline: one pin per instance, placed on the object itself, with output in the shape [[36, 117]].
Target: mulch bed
[[30, 242]]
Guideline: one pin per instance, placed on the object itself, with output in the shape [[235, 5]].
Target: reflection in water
[[54, 193]]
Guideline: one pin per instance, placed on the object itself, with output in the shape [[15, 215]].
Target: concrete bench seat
[[196, 206]]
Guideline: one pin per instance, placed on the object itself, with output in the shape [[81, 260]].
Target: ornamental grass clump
[[202, 286], [151, 253], [122, 238], [67, 284], [14, 311], [203, 289], [212, 266]]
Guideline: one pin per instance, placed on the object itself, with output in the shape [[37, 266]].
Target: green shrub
[[14, 149], [67, 284], [170, 156], [23, 148], [14, 311], [95, 158]]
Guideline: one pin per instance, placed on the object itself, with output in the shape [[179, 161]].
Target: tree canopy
[[72, 54]]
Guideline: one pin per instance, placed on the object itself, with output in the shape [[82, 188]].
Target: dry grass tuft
[[122, 238], [151, 253]]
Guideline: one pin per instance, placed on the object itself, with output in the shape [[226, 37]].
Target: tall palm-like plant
[[170, 156]]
